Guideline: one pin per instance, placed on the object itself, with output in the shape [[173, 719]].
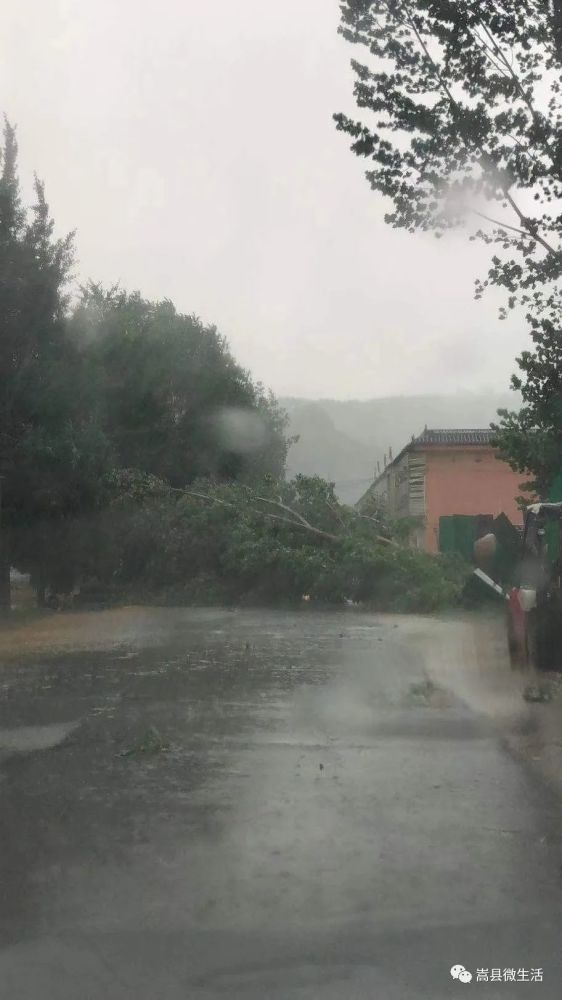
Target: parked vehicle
[[534, 596]]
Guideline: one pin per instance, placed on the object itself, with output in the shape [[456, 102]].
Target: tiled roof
[[472, 435], [441, 436]]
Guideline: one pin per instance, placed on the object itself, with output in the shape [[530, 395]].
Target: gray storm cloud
[[198, 161]]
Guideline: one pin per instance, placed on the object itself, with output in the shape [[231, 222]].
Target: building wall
[[467, 481], [378, 489], [416, 469], [392, 488], [399, 488]]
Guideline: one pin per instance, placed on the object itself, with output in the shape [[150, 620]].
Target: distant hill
[[342, 440]]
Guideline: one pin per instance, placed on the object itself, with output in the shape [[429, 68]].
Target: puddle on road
[[26, 739]]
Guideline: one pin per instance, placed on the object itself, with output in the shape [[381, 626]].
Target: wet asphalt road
[[216, 804]]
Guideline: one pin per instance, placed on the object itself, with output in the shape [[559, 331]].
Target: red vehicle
[[534, 600]]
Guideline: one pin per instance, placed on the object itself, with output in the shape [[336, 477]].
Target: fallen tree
[[295, 519], [270, 543]]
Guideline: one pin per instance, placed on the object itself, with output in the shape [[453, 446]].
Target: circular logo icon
[[459, 972]]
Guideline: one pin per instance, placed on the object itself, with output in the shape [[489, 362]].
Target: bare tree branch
[[501, 225], [529, 225], [381, 538], [302, 523], [283, 506], [296, 520]]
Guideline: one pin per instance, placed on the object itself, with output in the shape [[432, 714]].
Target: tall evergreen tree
[[52, 450], [176, 404]]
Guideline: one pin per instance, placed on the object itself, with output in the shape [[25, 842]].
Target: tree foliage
[[143, 461], [53, 453], [274, 541], [115, 382], [531, 440], [462, 124], [175, 402]]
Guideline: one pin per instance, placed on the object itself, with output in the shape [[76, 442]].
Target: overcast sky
[[191, 144]]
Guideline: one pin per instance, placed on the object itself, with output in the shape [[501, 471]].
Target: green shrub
[[242, 545]]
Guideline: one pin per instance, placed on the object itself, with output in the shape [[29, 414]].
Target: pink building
[[444, 472]]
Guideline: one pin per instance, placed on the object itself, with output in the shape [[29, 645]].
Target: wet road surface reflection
[[236, 803]]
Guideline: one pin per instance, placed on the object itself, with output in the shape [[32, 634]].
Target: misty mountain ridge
[[342, 440]]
